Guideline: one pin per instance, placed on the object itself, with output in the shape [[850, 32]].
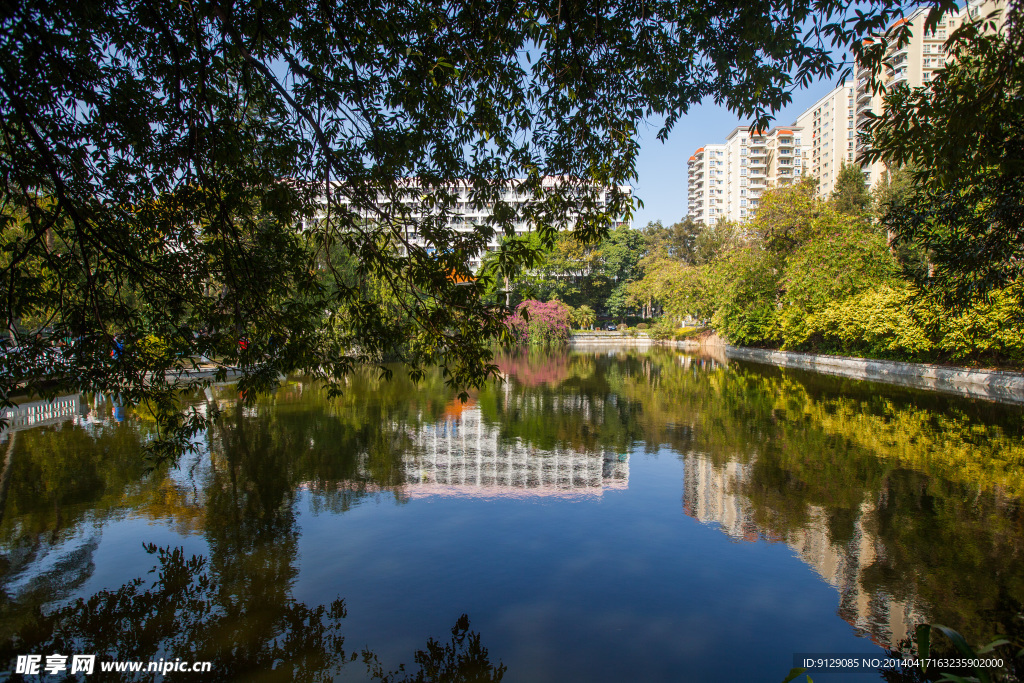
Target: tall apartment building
[[914, 62], [706, 175], [826, 135], [833, 132], [727, 180]]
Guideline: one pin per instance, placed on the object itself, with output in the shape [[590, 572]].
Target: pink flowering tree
[[541, 324]]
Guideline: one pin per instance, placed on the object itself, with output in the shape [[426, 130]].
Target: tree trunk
[[5, 477]]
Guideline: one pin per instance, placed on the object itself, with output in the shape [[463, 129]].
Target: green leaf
[[793, 673]]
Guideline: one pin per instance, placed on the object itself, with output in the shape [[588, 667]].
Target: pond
[[607, 515]]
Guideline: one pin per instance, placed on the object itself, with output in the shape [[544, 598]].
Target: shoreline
[[1004, 386], [996, 385]]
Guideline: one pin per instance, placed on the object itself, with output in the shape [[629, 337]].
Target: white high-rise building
[[727, 180], [706, 171], [833, 136], [825, 136]]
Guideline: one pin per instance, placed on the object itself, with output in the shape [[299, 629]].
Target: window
[[743, 202], [743, 171], [743, 193]]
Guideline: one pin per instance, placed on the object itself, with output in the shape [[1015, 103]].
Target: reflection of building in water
[[463, 455], [714, 494], [83, 410], [41, 413]]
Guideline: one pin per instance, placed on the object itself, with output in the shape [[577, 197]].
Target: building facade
[[913, 62], [727, 180], [827, 135], [468, 214], [833, 136]]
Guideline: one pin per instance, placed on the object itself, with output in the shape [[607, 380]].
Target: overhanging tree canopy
[[241, 180]]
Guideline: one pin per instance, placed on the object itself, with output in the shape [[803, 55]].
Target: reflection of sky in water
[[575, 561], [616, 587]]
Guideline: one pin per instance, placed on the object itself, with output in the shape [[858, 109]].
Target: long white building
[[469, 213]]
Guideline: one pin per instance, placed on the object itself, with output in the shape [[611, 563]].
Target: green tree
[[745, 288], [677, 241], [620, 256], [851, 194], [584, 317], [197, 166], [845, 257], [715, 240], [964, 134], [786, 215]]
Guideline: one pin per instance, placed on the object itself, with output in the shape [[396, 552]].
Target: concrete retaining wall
[[617, 338], [988, 384]]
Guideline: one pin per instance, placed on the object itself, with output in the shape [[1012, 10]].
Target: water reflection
[[187, 615], [715, 494], [464, 455], [906, 503]]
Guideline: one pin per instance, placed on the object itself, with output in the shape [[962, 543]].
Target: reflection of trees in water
[[186, 614], [904, 501], [61, 480], [933, 482], [579, 411], [235, 608], [533, 367]]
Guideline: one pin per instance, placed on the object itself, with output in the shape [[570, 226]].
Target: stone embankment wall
[[618, 338], [988, 384], [994, 385]]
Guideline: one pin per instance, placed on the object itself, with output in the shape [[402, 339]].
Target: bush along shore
[[828, 276]]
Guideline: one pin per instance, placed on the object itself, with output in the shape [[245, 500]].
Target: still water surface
[[601, 516]]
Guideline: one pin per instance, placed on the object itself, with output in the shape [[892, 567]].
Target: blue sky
[[662, 166]]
